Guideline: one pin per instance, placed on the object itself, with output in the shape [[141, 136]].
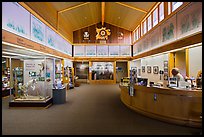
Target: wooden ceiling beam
[[138, 9], [103, 12], [73, 7]]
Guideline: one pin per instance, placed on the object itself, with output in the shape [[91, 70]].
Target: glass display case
[[5, 78], [33, 83], [102, 71]]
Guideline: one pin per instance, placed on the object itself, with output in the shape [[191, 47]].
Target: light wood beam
[[103, 12], [138, 9], [73, 7]]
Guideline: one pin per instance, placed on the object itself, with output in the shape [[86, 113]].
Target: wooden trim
[[190, 40], [73, 7], [43, 20], [58, 21], [103, 12], [138, 9], [187, 62]]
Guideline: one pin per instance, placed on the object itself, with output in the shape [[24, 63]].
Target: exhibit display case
[[5, 77], [33, 83]]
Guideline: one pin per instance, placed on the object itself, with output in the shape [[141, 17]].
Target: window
[[155, 17], [145, 27], [169, 8], [137, 35], [175, 5], [161, 11], [149, 21]]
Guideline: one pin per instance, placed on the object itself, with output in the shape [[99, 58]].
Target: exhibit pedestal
[[59, 96]]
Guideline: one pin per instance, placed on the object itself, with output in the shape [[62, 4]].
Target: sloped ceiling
[[70, 16]]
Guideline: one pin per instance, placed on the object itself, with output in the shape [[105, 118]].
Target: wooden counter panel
[[175, 106]]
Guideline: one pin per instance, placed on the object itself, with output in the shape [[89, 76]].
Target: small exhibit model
[[24, 91]]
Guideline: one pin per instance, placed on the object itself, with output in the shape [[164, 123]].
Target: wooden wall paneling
[[171, 63], [113, 38]]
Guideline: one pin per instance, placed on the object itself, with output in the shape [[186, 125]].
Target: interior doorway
[[121, 70]]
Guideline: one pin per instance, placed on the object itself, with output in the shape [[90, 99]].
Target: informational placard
[[16, 19], [37, 30], [50, 38], [114, 50], [154, 39], [102, 50], [91, 50], [125, 50], [79, 50]]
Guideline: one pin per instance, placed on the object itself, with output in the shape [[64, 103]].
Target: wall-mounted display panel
[[91, 50], [168, 30], [69, 49], [16, 19], [125, 50], [79, 50], [114, 50], [102, 50], [37, 30], [50, 38], [189, 20]]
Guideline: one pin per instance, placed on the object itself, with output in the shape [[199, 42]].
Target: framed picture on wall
[[139, 72], [165, 70], [155, 69], [143, 69], [149, 69]]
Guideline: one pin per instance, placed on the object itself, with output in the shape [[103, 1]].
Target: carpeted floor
[[89, 110]]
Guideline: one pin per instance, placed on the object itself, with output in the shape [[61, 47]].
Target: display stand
[[59, 96], [36, 90], [71, 77]]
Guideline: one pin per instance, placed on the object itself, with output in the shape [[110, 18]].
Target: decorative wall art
[[143, 69], [155, 69], [149, 69], [113, 50], [189, 20], [102, 33], [165, 70], [16, 19], [168, 30], [91, 50]]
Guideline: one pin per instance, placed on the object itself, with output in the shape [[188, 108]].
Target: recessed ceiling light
[[85, 18], [118, 17]]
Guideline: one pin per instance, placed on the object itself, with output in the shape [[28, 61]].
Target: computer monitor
[[173, 82], [142, 81]]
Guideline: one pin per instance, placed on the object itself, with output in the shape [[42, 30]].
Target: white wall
[[153, 61], [195, 60], [68, 63]]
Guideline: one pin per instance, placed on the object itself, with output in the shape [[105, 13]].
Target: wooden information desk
[[178, 106]]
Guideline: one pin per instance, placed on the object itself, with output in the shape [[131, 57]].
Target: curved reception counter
[[178, 106]]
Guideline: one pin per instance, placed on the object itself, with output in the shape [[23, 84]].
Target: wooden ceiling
[[67, 17]]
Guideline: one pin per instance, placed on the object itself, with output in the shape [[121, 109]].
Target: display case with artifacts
[[6, 81], [35, 88]]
